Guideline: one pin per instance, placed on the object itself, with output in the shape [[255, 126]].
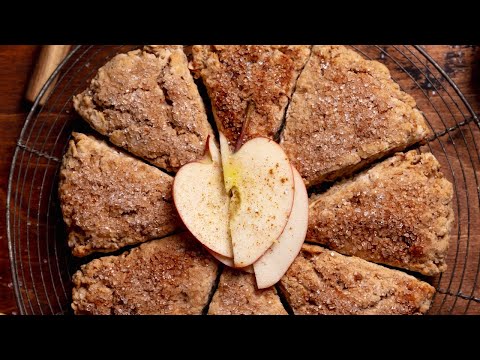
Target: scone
[[249, 86], [322, 281], [147, 102], [397, 213], [345, 113], [110, 199], [237, 294], [168, 276]]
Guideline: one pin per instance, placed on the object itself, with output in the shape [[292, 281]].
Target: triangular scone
[[174, 275], [322, 281], [146, 102], [237, 294], [345, 113], [397, 213], [110, 199], [249, 85]]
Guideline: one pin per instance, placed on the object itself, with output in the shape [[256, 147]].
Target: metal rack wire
[[41, 261]]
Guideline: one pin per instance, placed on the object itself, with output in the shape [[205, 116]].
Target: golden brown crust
[[237, 294], [397, 213], [249, 85], [321, 281], [345, 113], [146, 102], [167, 276], [110, 199]]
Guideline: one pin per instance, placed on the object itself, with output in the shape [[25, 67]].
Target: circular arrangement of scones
[[182, 186]]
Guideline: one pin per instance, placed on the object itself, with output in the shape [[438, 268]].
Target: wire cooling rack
[[40, 259]]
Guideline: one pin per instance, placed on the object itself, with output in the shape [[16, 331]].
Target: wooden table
[[462, 63]]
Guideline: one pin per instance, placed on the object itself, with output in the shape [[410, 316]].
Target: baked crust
[[110, 199], [345, 113], [322, 281], [249, 86], [237, 294], [146, 102], [397, 213], [168, 276]]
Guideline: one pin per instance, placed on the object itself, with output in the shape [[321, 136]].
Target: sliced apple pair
[[248, 208], [272, 265]]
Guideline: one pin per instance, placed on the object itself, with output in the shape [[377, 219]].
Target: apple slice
[[276, 260], [259, 180], [229, 261], [202, 203]]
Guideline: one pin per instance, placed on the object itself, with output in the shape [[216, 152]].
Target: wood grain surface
[[461, 63]]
